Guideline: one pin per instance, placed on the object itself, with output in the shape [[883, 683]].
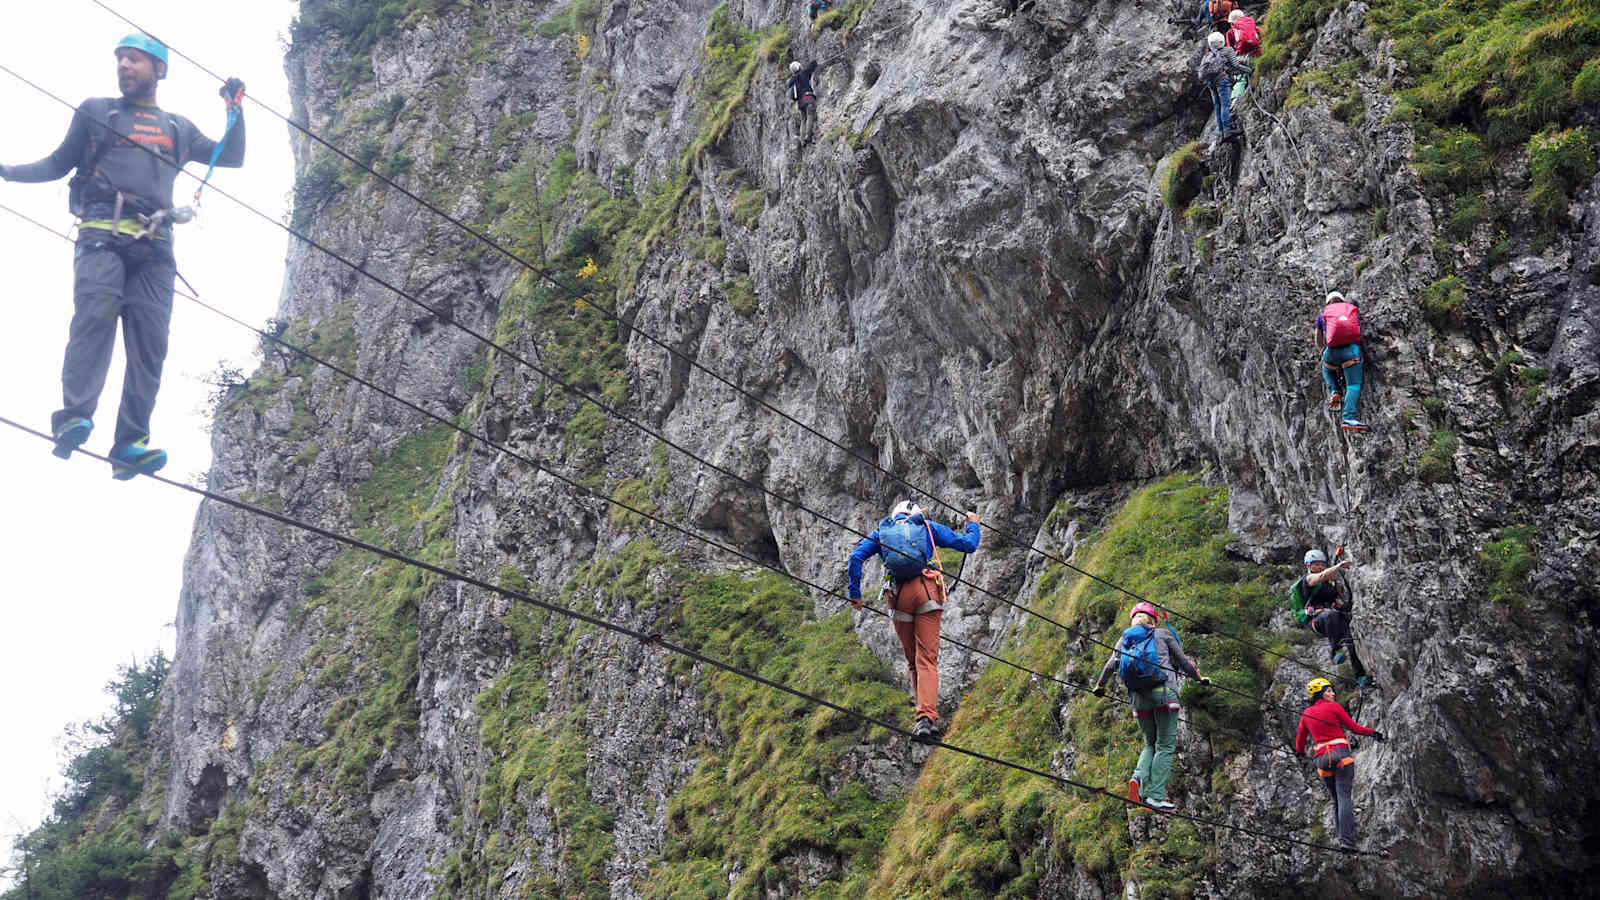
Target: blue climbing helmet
[[141, 41]]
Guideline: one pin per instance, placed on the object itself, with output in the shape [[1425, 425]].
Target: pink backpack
[[1341, 324]]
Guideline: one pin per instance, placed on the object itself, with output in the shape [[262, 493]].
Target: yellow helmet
[[1317, 686]]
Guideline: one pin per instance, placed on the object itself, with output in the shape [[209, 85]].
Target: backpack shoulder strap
[[101, 136], [180, 139]]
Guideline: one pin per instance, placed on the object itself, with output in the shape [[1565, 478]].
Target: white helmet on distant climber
[[1216, 40], [1333, 297], [794, 67]]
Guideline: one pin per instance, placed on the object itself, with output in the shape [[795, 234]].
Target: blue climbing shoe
[[1366, 681], [1338, 657], [71, 435], [136, 459]]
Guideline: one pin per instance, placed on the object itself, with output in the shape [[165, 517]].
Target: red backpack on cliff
[[1340, 324], [1244, 37]]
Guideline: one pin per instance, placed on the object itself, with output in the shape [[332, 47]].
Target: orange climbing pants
[[917, 607]]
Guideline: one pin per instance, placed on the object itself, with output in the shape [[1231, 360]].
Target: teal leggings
[[1337, 357], [1154, 769]]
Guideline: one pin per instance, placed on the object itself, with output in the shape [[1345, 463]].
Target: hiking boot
[[1161, 805], [1335, 401], [1353, 425], [1349, 849], [71, 435], [924, 731], [137, 459], [1366, 681], [1338, 657], [1133, 790]]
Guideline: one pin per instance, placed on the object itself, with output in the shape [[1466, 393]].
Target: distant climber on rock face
[[1323, 723], [1216, 67], [1339, 341], [1215, 12], [804, 96], [914, 592], [1148, 658], [816, 7], [1322, 602], [1244, 39]]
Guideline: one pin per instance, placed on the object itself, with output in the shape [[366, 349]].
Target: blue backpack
[[900, 541], [1140, 662]]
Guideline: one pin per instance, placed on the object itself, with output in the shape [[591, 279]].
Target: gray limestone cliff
[[969, 276]]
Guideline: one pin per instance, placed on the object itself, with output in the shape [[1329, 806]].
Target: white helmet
[[794, 67], [1333, 297], [1315, 556], [1235, 16], [1215, 40], [905, 508]]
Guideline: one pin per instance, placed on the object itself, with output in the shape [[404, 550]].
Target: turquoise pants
[[1154, 769], [1334, 358]]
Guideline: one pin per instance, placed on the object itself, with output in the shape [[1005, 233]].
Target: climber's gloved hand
[[1378, 736], [1099, 690], [231, 90], [1205, 680]]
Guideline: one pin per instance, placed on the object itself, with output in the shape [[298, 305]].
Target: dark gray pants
[[808, 117], [1338, 776], [1335, 626], [116, 277]]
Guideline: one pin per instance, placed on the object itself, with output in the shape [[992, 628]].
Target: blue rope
[[216, 152]]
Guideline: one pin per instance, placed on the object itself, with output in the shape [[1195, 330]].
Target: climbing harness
[[150, 225]]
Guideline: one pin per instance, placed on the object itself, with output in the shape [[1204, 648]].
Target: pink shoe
[[1133, 790]]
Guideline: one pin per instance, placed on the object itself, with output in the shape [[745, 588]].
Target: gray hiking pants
[[808, 117], [1337, 769], [117, 278]]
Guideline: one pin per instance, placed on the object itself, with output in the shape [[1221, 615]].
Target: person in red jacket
[[1324, 722]]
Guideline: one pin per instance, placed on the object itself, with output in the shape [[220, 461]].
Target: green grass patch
[[1506, 366], [1180, 182], [1492, 79], [577, 17], [741, 293], [972, 829], [1444, 302], [1507, 562], [1437, 462], [775, 786], [748, 205], [842, 19], [1560, 160]]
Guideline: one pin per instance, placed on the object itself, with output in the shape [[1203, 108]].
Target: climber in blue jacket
[[915, 593]]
